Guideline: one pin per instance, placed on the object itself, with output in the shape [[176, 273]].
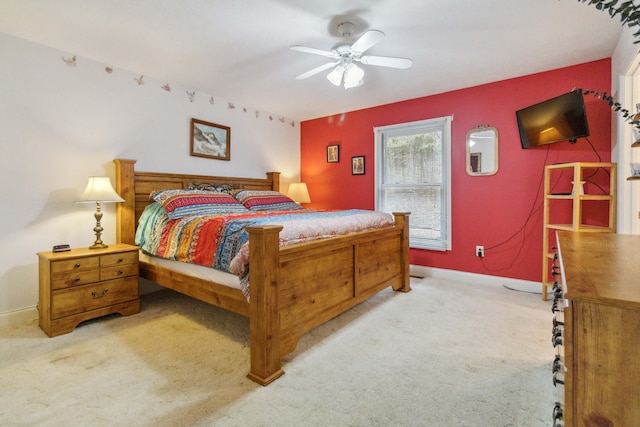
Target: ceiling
[[239, 50]]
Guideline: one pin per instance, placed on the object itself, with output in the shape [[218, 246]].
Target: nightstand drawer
[[79, 299], [74, 278], [76, 264], [119, 271], [119, 259]]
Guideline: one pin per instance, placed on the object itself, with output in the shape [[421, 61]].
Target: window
[[413, 174]]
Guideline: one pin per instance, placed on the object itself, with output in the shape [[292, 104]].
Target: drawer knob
[[77, 279], [77, 265], [120, 259], [557, 364], [120, 272], [96, 295], [556, 340], [556, 381], [557, 414]]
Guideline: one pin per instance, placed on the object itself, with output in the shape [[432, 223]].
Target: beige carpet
[[445, 354]]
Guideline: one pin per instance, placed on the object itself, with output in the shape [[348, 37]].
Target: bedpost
[[274, 177], [402, 222], [264, 315], [125, 211]]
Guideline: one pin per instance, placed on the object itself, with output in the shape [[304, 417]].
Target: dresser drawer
[[123, 258], [77, 264], [65, 302], [68, 279], [116, 272]]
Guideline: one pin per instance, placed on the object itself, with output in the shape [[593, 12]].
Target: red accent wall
[[503, 212]]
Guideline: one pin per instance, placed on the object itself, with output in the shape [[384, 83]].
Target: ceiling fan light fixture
[[335, 76], [346, 73], [353, 76]]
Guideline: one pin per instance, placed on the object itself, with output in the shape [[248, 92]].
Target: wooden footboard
[[293, 289], [297, 288]]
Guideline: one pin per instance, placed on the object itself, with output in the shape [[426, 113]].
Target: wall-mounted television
[[562, 118]]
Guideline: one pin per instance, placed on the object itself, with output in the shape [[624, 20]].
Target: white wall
[[625, 86], [61, 124]]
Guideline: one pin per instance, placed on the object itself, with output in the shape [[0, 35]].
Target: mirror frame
[[468, 154]]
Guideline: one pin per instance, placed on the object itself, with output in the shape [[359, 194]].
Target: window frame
[[381, 133]]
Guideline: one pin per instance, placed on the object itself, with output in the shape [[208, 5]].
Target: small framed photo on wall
[[357, 165], [333, 153], [210, 140]]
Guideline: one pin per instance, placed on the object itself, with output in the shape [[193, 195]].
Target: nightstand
[[83, 284]]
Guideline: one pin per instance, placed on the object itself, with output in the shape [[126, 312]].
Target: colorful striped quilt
[[221, 241]]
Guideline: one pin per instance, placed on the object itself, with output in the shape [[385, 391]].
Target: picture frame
[[357, 165], [333, 153], [210, 140]]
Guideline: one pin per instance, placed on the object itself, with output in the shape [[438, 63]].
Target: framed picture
[[357, 165], [333, 153], [210, 140]]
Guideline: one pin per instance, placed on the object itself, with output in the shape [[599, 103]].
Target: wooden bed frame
[[293, 289]]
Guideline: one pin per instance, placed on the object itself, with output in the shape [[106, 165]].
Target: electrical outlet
[[480, 251]]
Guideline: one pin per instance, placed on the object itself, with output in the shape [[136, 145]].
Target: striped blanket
[[221, 241]]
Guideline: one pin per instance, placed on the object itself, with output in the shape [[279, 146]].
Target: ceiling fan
[[344, 56]]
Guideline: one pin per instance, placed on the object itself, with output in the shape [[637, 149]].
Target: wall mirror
[[482, 151]]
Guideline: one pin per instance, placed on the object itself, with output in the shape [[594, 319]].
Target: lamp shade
[[353, 76], [99, 189], [299, 193], [335, 76]]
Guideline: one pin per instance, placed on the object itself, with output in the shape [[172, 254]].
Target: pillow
[[179, 203], [216, 188], [265, 200]]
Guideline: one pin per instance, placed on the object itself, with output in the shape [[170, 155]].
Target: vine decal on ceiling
[[190, 94], [628, 12]]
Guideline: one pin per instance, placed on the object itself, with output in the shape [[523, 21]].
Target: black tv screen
[[562, 118]]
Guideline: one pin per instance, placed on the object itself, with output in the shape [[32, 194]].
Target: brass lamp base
[[98, 244]]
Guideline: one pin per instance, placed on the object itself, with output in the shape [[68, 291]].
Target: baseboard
[[475, 278], [18, 316]]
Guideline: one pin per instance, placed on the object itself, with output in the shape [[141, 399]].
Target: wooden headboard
[[136, 187]]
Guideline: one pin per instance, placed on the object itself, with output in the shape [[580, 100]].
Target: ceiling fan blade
[[367, 40], [386, 61], [317, 70], [312, 50]]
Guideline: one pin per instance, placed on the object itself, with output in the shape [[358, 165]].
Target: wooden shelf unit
[[560, 200]]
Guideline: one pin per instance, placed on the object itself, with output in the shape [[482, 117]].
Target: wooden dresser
[[599, 333], [83, 284]]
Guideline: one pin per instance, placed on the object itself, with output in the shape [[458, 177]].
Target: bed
[[293, 289]]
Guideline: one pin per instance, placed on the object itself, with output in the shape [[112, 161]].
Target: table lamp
[[298, 193], [99, 190]]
